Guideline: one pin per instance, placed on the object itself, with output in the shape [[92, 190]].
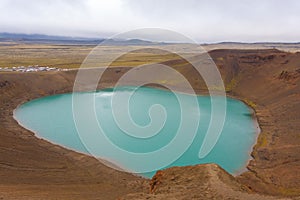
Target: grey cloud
[[205, 21]]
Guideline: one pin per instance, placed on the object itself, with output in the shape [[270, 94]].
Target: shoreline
[[257, 133], [105, 161]]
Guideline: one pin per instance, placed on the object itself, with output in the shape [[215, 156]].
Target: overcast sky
[[203, 21]]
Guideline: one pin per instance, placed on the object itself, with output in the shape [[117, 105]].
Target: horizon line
[[87, 38]]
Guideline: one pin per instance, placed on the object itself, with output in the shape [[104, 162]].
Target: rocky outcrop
[[206, 181]]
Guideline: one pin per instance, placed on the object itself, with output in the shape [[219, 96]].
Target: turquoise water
[[52, 118]]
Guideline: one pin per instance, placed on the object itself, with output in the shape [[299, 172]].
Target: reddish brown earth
[[268, 80]]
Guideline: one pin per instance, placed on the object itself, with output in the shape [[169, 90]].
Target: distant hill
[[38, 38], [66, 40], [49, 39], [131, 42]]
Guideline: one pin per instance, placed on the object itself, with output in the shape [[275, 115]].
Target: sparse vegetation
[[250, 103], [289, 191], [231, 85], [72, 56], [262, 140]]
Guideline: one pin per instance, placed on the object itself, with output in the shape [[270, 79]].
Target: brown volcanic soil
[[35, 168], [206, 181], [268, 80]]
